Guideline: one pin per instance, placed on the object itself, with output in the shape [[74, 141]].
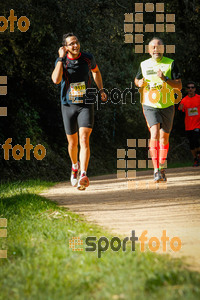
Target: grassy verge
[[40, 264]]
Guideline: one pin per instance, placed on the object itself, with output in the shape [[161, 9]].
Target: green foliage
[[33, 100]]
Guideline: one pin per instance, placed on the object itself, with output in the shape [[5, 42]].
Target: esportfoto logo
[[102, 244]]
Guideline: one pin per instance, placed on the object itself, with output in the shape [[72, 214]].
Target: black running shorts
[[193, 137], [164, 116], [76, 116]]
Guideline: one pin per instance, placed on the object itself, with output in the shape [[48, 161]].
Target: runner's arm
[[97, 78], [57, 73], [181, 106], [99, 82], [58, 70], [139, 80], [175, 82]]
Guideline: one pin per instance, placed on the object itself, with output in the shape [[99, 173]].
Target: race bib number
[[77, 89], [193, 111]]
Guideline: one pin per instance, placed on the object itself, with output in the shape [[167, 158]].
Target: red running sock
[[154, 152], [163, 150]]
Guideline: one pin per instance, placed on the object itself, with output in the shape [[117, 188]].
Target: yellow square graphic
[[3, 90], [128, 27], [170, 17], [138, 7], [131, 142], [160, 28], [3, 111], [76, 241], [139, 17], [138, 27], [131, 153], [138, 48], [3, 253], [170, 28], [3, 233], [121, 163], [121, 153], [149, 28], [131, 164], [131, 174], [128, 17], [128, 38], [149, 7], [121, 174], [159, 18], [160, 7], [142, 143], [3, 222], [150, 164], [170, 48], [3, 79], [139, 38], [141, 164]]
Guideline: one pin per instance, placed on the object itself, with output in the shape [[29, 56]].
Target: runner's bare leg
[[84, 136], [154, 145], [73, 146], [164, 137]]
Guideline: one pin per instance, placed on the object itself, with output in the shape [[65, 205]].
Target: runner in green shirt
[[157, 78]]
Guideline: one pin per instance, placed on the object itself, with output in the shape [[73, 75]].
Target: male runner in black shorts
[[72, 70], [158, 76]]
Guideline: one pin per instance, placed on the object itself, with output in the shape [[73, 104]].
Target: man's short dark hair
[[66, 36], [191, 82], [156, 38]]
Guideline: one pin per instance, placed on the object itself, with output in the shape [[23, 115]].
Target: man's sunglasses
[[190, 87]]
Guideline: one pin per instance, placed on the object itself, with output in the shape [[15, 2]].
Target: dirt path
[[121, 206]]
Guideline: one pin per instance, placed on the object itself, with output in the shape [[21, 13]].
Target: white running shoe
[[83, 182], [75, 176]]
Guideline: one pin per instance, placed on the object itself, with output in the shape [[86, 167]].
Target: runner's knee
[[164, 140], [72, 144], [84, 140]]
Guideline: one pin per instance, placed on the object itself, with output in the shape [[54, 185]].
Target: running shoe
[[163, 176], [83, 182], [75, 176], [157, 176], [196, 162]]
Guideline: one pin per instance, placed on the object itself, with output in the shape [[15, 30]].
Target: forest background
[[33, 101]]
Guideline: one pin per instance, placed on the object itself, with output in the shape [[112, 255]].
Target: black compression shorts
[[76, 116], [193, 137]]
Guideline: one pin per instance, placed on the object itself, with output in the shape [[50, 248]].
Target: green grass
[[40, 264]]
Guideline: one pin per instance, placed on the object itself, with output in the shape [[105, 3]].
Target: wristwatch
[[166, 78], [61, 59]]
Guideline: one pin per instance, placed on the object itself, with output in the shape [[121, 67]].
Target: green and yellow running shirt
[[156, 93]]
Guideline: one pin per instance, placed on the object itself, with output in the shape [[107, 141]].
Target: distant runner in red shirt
[[190, 105]]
